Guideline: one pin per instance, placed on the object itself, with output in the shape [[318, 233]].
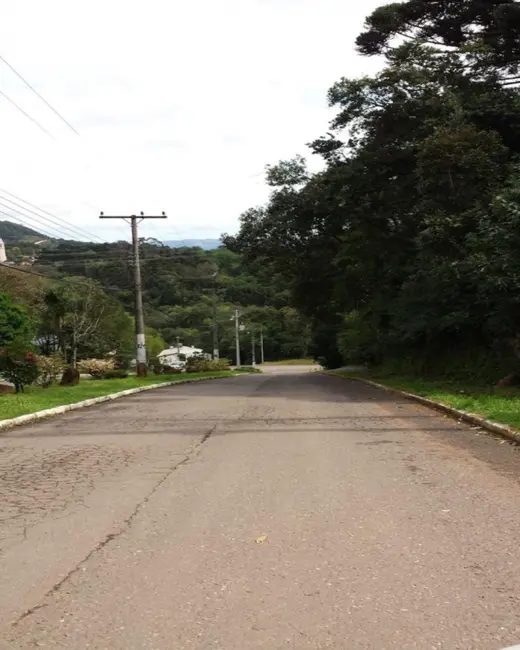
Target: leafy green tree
[[17, 363], [24, 289], [392, 252], [184, 289], [86, 320], [482, 31], [15, 327]]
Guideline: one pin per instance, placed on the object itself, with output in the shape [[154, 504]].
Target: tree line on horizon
[[403, 250], [78, 297]]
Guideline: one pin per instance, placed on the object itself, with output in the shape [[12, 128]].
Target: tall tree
[[15, 326]]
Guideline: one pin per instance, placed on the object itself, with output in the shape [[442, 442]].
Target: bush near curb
[[118, 373], [19, 369], [200, 364], [49, 369], [160, 369], [96, 368]]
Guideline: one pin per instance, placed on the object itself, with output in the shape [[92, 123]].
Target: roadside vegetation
[[403, 250], [67, 320], [35, 398], [290, 362], [401, 253], [186, 292], [492, 402]]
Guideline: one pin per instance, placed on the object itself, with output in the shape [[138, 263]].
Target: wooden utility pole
[[140, 341], [237, 337], [261, 345], [253, 351], [216, 353]]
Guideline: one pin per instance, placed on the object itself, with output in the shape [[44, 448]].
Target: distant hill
[[13, 233], [205, 244]]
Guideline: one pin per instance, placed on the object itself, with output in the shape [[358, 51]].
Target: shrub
[[19, 369], [96, 368], [123, 361], [159, 369], [49, 367], [201, 364], [248, 369], [117, 373]]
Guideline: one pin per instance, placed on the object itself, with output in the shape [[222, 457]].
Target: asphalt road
[[286, 510]]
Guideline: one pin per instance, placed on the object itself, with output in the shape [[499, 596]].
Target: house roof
[[182, 349]]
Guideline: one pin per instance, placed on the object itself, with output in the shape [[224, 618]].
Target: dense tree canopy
[[186, 293], [402, 248], [483, 32], [15, 326]]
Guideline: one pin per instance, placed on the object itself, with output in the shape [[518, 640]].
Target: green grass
[[498, 404], [290, 362], [38, 399]]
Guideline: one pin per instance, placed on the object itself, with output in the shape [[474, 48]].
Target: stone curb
[[470, 418], [58, 410]]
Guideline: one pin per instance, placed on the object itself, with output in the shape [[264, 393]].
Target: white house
[[178, 354], [3, 256]]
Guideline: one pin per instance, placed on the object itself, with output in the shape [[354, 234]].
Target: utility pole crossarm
[[133, 216], [140, 341]]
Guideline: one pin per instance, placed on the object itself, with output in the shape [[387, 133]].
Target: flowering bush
[[49, 367], [96, 368], [19, 369], [201, 364]]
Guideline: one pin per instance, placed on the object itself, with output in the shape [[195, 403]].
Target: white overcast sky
[[180, 104]]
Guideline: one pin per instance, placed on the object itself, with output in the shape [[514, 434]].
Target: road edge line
[[93, 401], [504, 430]]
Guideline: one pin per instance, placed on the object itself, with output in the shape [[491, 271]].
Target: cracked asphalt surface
[[285, 510]]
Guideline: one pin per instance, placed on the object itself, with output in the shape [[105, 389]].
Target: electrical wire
[[107, 254], [29, 117], [39, 221], [71, 229], [120, 228], [111, 258], [11, 216], [49, 277], [38, 94], [50, 214]]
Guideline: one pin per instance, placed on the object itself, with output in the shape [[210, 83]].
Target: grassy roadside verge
[[38, 399], [290, 362], [498, 404]]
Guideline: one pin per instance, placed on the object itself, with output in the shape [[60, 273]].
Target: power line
[[29, 117], [53, 255], [11, 216], [38, 95], [49, 277], [50, 214], [39, 221], [19, 270], [90, 250], [71, 228]]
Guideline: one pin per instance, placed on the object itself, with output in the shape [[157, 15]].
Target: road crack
[[125, 526]]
